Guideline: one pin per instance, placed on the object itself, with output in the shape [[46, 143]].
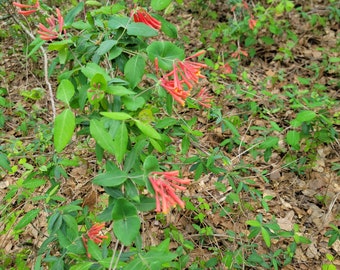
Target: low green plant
[[122, 86], [329, 265], [112, 82], [333, 233]]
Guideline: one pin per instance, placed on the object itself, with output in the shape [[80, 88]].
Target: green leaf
[[166, 122], [167, 28], [146, 204], [293, 139], [33, 183], [4, 162], [120, 142], [116, 115], [82, 266], [126, 223], [253, 223], [131, 191], [59, 45], [111, 178], [267, 154], [141, 29], [37, 43], [102, 137], [134, 70], [152, 260], [119, 90], [69, 18], [93, 3], [64, 125], [332, 239], [228, 124], [133, 103], [80, 25], [63, 240], [269, 142], [91, 69], [127, 229], [116, 22], [150, 164], [115, 52], [185, 144], [98, 81], [27, 218], [106, 46], [265, 236], [65, 91], [148, 130], [63, 54], [334, 59], [305, 116], [94, 250], [76, 247], [72, 226], [157, 145], [166, 52], [108, 10], [160, 4]]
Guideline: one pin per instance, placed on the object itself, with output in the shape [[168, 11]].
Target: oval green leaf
[[106, 46], [160, 4], [64, 125], [65, 91], [102, 137], [305, 116], [148, 130], [134, 70], [126, 221], [116, 115], [141, 29], [166, 52], [110, 179], [120, 142], [27, 218], [293, 139]]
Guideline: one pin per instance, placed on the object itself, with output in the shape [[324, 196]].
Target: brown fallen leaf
[[286, 223]]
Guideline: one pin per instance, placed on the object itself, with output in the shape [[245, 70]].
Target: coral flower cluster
[[94, 233], [26, 10], [142, 16], [46, 33], [52, 32], [181, 79], [203, 98], [165, 184]]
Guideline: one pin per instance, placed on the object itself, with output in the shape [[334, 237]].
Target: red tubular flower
[[252, 22], [226, 68], [245, 4], [176, 92], [27, 10], [51, 32], [191, 70], [94, 234], [181, 79], [164, 185], [238, 52], [203, 98], [140, 15]]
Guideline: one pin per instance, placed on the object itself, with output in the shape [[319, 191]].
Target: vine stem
[[45, 59]]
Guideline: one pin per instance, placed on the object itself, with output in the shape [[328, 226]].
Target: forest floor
[[308, 197]]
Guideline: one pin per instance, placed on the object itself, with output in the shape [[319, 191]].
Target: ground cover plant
[[170, 135]]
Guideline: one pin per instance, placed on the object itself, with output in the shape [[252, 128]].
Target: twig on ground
[[45, 59]]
